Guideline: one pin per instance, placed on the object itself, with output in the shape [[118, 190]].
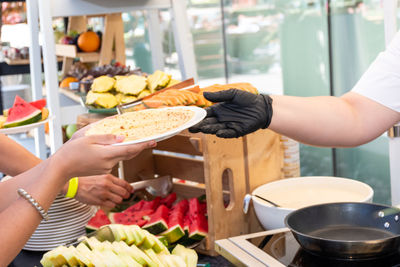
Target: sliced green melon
[[130, 238], [118, 231], [157, 246], [148, 241], [153, 256], [188, 255], [138, 234], [137, 254], [22, 113]]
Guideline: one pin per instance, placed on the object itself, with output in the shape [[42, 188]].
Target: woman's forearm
[[9, 188], [347, 121], [20, 218], [17, 159]]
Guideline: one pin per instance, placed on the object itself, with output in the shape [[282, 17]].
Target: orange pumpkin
[[66, 81], [89, 41]]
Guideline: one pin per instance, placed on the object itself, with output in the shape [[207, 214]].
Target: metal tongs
[[181, 86]]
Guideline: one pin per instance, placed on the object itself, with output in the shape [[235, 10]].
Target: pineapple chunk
[[2, 121], [105, 100], [103, 84], [131, 85], [157, 80], [45, 114], [172, 82], [143, 93], [128, 99]]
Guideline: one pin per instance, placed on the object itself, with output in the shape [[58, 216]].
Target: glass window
[[357, 38]]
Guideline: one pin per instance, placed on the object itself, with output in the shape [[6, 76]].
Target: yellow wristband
[[72, 187]]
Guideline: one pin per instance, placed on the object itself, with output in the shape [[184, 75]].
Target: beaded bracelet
[[34, 203]]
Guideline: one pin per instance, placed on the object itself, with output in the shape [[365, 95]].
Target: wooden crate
[[224, 168], [71, 51]]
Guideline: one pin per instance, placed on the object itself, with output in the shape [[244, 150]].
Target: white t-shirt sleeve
[[381, 82]]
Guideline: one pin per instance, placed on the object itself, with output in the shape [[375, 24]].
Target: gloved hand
[[238, 113]]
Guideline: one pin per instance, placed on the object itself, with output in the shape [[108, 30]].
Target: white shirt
[[381, 82]]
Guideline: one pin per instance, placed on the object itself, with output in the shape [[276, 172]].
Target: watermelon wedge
[[39, 104], [158, 221], [98, 220], [175, 228], [176, 222], [168, 200], [182, 206], [136, 207], [130, 218], [22, 113], [151, 205], [198, 227]]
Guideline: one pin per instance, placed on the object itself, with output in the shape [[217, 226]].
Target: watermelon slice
[[186, 223], [98, 220], [139, 218], [151, 205], [136, 207], [168, 200], [175, 227], [158, 221], [128, 218], [176, 222], [22, 113], [39, 104], [182, 206], [198, 227]]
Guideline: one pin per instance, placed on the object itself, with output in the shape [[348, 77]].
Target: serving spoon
[[247, 199]]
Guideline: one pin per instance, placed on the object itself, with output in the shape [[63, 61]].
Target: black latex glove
[[238, 113]]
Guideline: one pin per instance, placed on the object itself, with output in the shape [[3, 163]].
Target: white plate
[[199, 115], [24, 128], [50, 232], [68, 223]]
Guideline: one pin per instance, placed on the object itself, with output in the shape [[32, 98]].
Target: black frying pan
[[346, 230]]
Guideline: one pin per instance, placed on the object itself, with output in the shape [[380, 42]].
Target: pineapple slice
[[103, 84], [2, 121], [157, 80], [131, 85], [128, 99], [172, 82], [143, 93], [105, 100]]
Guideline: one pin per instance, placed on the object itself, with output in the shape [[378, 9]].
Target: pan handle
[[246, 203]]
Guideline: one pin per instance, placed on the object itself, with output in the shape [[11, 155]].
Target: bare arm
[[14, 158], [82, 156], [346, 121], [20, 219]]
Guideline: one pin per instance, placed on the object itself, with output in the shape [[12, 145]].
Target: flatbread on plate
[[142, 124]]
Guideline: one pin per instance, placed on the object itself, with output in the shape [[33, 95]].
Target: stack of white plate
[[68, 218]]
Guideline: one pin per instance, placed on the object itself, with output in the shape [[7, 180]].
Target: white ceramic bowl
[[295, 193]]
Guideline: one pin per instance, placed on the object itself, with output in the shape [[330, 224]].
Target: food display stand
[[45, 10], [225, 170]]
